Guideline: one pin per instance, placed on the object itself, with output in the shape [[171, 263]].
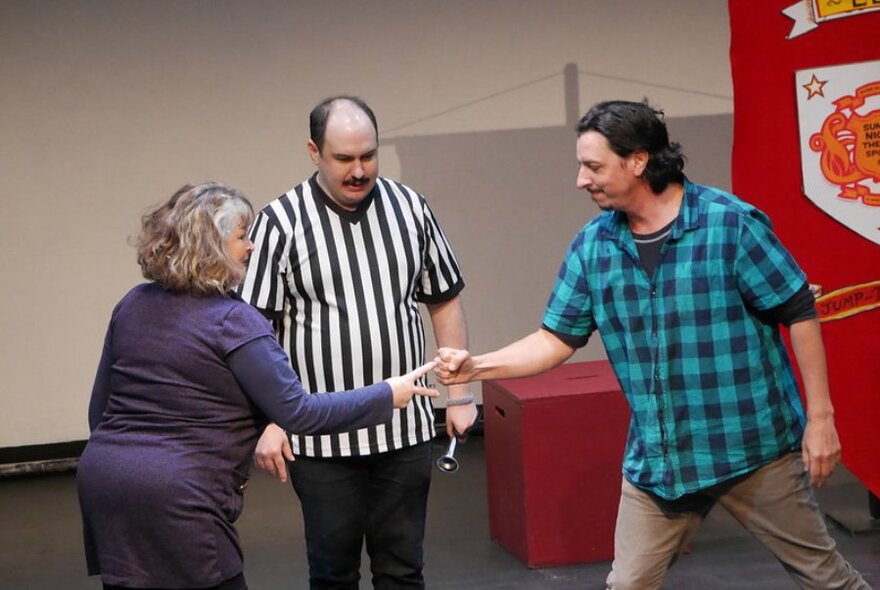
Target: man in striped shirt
[[687, 286], [341, 264]]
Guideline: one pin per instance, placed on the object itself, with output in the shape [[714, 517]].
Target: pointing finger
[[426, 368]]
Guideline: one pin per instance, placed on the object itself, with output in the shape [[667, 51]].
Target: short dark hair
[[636, 126], [318, 117]]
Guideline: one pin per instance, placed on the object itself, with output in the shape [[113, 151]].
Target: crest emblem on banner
[[839, 124]]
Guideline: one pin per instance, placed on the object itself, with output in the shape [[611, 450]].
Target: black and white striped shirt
[[345, 288]]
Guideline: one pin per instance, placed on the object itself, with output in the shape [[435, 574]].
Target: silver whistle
[[447, 462]]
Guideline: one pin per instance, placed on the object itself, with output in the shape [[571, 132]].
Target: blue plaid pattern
[[710, 385]]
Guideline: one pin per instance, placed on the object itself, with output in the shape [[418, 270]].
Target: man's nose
[[583, 180], [357, 170]]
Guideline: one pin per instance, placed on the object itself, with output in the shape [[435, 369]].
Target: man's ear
[[314, 152], [639, 161]]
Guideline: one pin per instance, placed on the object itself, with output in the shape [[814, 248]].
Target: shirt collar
[[613, 225], [689, 214], [353, 216]]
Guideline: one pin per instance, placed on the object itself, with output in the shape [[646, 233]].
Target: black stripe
[[382, 318], [265, 220], [307, 303], [342, 339]]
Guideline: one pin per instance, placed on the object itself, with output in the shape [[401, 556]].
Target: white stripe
[[403, 280], [306, 278], [372, 374], [333, 300], [640, 240]]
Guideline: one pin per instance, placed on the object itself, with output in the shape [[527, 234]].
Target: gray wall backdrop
[[108, 106]]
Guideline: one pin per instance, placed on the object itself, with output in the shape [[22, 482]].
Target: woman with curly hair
[[189, 377]]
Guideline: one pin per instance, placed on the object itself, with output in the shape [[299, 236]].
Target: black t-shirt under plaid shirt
[[344, 288]]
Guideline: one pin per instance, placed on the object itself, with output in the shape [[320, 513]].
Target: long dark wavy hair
[[636, 126]]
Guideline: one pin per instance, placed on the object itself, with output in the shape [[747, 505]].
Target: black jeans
[[234, 583], [382, 498]]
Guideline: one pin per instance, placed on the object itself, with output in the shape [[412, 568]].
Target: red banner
[[792, 61]]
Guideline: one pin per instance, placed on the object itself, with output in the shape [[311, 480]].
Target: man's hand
[[272, 449], [820, 449], [460, 419], [454, 366]]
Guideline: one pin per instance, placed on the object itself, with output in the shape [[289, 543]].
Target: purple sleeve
[[263, 371], [101, 387]]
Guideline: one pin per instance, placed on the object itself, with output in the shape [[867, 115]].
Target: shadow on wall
[[508, 203]]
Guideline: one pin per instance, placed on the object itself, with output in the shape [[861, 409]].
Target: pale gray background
[[108, 106]]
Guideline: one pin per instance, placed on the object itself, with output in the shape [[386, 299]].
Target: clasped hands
[[451, 367], [454, 366]]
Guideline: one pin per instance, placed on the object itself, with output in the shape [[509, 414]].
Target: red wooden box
[[554, 445]]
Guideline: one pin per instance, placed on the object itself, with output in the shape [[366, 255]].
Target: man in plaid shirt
[[687, 286]]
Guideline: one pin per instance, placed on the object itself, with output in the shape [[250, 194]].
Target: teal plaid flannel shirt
[[710, 384]]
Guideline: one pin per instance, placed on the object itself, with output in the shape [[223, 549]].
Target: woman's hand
[[405, 386]]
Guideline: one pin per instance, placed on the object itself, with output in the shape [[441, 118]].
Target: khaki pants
[[775, 504]]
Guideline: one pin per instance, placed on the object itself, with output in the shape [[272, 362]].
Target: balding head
[[350, 107]]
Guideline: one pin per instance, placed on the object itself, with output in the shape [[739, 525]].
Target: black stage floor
[[40, 544]]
